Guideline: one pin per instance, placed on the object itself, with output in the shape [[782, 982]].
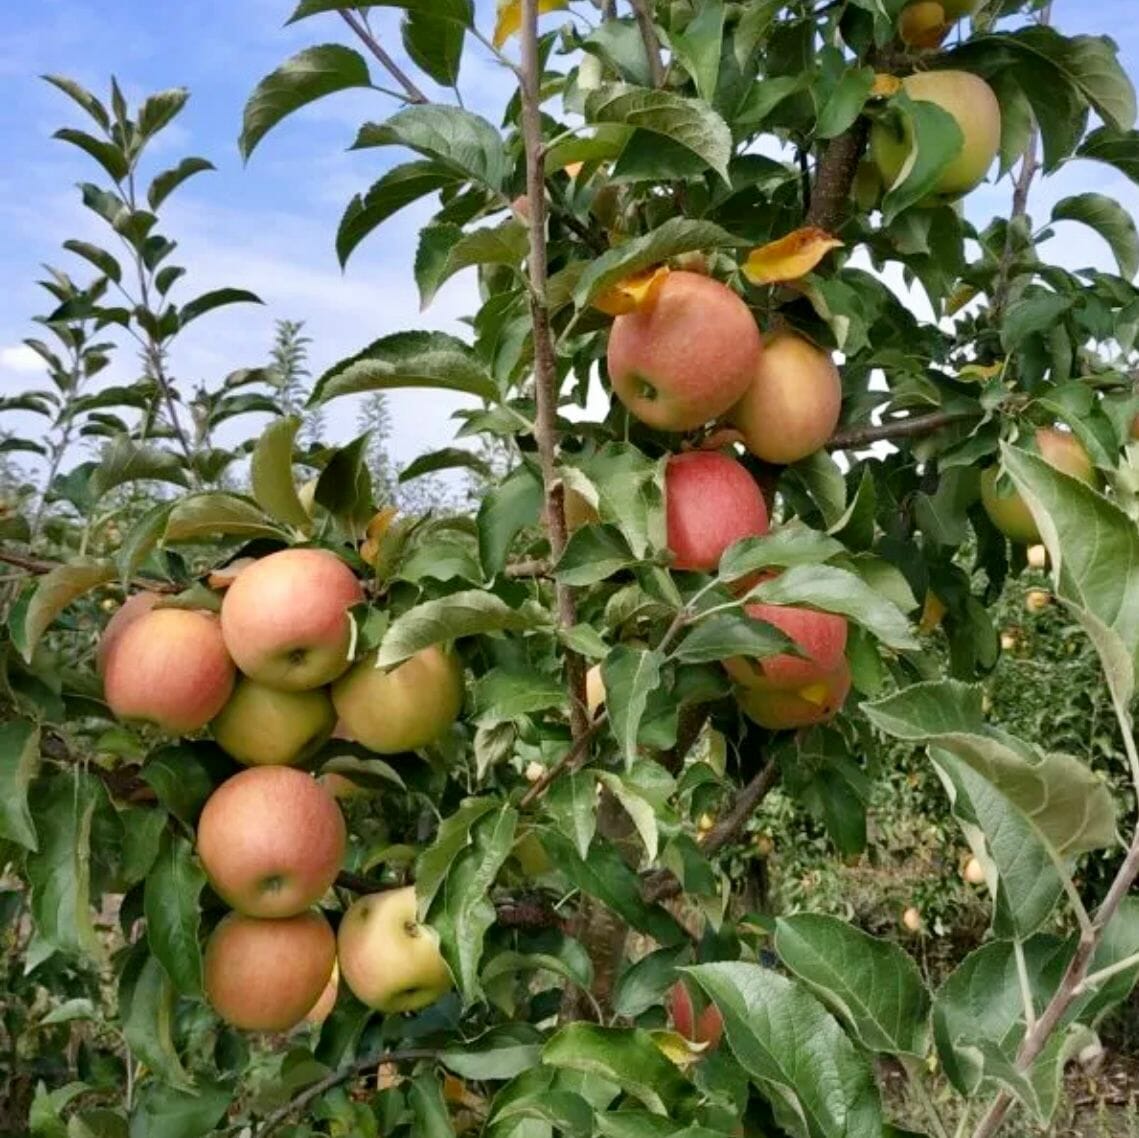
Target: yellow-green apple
[[326, 1001], [168, 667], [688, 357], [711, 501], [262, 726], [391, 962], [594, 690], [285, 618], [1037, 557], [267, 975], [271, 840], [923, 24], [793, 403], [130, 610], [820, 636], [778, 709], [1037, 600], [911, 920], [404, 709], [1007, 510], [971, 102], [973, 873]]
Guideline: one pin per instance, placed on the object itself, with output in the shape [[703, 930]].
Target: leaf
[[687, 122], [449, 458], [100, 258], [790, 257], [629, 675], [107, 154], [506, 509], [160, 109], [432, 1118], [1066, 805], [1118, 148], [271, 473], [19, 762], [82, 96], [122, 460], [1110, 220], [629, 490], [845, 102], [452, 837], [307, 76], [407, 359], [399, 187], [469, 613], [508, 17], [141, 539], [791, 544], [593, 553], [643, 985], [459, 10], [1034, 312], [218, 298], [460, 140], [56, 590], [831, 589], [505, 244], [818, 1085], [637, 293], [628, 1057], [500, 1053], [571, 803], [504, 694], [872, 985], [699, 48], [59, 870], [677, 235], [165, 1112], [215, 512], [639, 809], [170, 902], [935, 140], [165, 183], [183, 775], [435, 44], [724, 635]]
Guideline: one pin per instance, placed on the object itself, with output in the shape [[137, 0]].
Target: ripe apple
[[778, 709], [970, 100], [711, 501], [262, 726], [391, 962], [973, 873], [271, 840], [820, 636], [326, 1001], [285, 618], [689, 358], [404, 709], [1007, 510], [132, 608], [923, 24], [792, 406], [266, 975], [168, 667]]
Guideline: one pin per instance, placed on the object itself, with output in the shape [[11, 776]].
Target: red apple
[[778, 709], [132, 608], [821, 636]]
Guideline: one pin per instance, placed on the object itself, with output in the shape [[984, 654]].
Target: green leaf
[[271, 473], [344, 487], [643, 985], [407, 359], [215, 512], [619, 44], [503, 694], [1110, 220], [1118, 148], [183, 775], [500, 1053], [165, 1112], [100, 258], [160, 109], [449, 458], [19, 761], [872, 985], [141, 539], [628, 1057], [399, 187], [1035, 312], [1066, 805], [791, 544], [506, 509], [56, 590], [434, 43], [628, 489], [818, 1085], [831, 589], [506, 244], [677, 235], [453, 836], [459, 10], [845, 102], [432, 1118], [630, 675], [935, 140], [539, 1114], [218, 298], [307, 76], [170, 901], [730, 634], [165, 183], [461, 141], [699, 48], [59, 870], [593, 553], [82, 96], [823, 480], [469, 613], [571, 803], [122, 460], [688, 122], [639, 809], [107, 154]]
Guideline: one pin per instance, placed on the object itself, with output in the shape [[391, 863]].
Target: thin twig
[[649, 38], [39, 566], [568, 760], [911, 427], [414, 94], [529, 567]]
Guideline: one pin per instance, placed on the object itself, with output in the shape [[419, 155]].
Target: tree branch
[[580, 746], [913, 426], [545, 365], [649, 37], [834, 177], [39, 566], [414, 94]]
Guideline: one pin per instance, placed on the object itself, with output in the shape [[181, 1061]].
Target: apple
[[956, 9], [1037, 600], [711, 501], [689, 358], [262, 726], [326, 1001], [266, 975], [792, 406], [820, 636], [594, 690], [1007, 510], [285, 618], [132, 608], [168, 667], [271, 840], [970, 100], [390, 961], [911, 920], [404, 709], [973, 873], [779, 709], [923, 24], [1037, 557]]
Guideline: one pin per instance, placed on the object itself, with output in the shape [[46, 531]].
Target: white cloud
[[20, 359]]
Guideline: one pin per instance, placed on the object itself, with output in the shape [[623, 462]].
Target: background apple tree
[[579, 837]]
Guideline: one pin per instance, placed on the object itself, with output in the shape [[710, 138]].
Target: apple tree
[[356, 822]]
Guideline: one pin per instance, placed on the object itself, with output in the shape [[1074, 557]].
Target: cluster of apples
[[695, 354], [273, 677]]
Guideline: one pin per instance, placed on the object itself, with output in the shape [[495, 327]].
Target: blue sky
[[269, 226]]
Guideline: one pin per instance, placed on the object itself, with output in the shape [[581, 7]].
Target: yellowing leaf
[[790, 257], [980, 372], [960, 297], [884, 86], [675, 1047], [378, 526], [932, 612], [637, 293], [509, 18], [574, 168]]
